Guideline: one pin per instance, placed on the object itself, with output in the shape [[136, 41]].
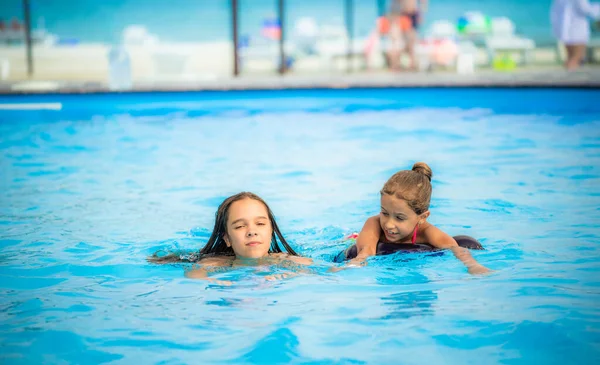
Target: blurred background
[[144, 43]]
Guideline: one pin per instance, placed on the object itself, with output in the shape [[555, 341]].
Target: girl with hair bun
[[405, 199]]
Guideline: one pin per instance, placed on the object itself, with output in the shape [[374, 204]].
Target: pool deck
[[586, 77]]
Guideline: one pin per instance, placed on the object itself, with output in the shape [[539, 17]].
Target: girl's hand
[[202, 273], [221, 282], [479, 270], [280, 276], [355, 262]]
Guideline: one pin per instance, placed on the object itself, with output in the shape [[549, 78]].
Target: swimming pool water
[[88, 191]]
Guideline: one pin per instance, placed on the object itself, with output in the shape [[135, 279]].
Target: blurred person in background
[[407, 15], [571, 26]]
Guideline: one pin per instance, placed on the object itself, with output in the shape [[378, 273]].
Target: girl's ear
[[226, 239], [423, 217]]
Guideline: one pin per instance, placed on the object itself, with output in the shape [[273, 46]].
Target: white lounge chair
[[4, 68], [332, 48], [592, 46], [442, 29], [466, 54], [504, 39], [171, 62]]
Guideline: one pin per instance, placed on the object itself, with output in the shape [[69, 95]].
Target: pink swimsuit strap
[[414, 236]]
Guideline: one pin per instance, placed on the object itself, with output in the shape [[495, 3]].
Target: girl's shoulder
[[296, 259], [216, 261], [427, 228], [301, 260], [435, 236]]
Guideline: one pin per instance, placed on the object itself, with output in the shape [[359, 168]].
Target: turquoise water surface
[[88, 191]]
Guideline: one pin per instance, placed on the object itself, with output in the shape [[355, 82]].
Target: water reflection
[[408, 304]]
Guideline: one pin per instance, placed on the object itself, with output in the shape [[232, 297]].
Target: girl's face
[[249, 229], [397, 219]]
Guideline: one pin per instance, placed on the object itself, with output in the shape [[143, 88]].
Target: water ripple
[[90, 192]]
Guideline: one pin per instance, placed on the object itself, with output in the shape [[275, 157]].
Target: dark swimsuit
[[390, 248], [414, 18], [396, 9]]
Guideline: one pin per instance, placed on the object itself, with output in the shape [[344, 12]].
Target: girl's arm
[[300, 260], [202, 271], [283, 276], [588, 9], [366, 242], [291, 262], [439, 239]]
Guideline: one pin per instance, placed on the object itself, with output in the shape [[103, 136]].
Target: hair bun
[[423, 168]]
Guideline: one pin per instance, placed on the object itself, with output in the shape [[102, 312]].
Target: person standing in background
[[571, 25], [407, 15]]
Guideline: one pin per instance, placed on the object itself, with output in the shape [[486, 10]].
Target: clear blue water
[[89, 191], [209, 20]]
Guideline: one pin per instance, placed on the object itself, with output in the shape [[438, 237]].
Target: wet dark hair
[[413, 186], [216, 245]]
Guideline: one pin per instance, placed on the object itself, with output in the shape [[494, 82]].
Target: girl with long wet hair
[[245, 228]]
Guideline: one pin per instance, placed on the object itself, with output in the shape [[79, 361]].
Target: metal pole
[[381, 7], [350, 29], [27, 16], [234, 23], [281, 16]]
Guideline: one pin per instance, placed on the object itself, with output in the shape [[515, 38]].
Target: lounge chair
[[465, 53], [503, 39], [4, 69], [592, 46], [332, 47]]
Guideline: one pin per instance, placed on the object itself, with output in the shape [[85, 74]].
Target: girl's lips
[[391, 236], [253, 243]]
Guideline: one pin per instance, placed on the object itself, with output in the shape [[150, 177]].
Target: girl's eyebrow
[[398, 214], [243, 219]]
